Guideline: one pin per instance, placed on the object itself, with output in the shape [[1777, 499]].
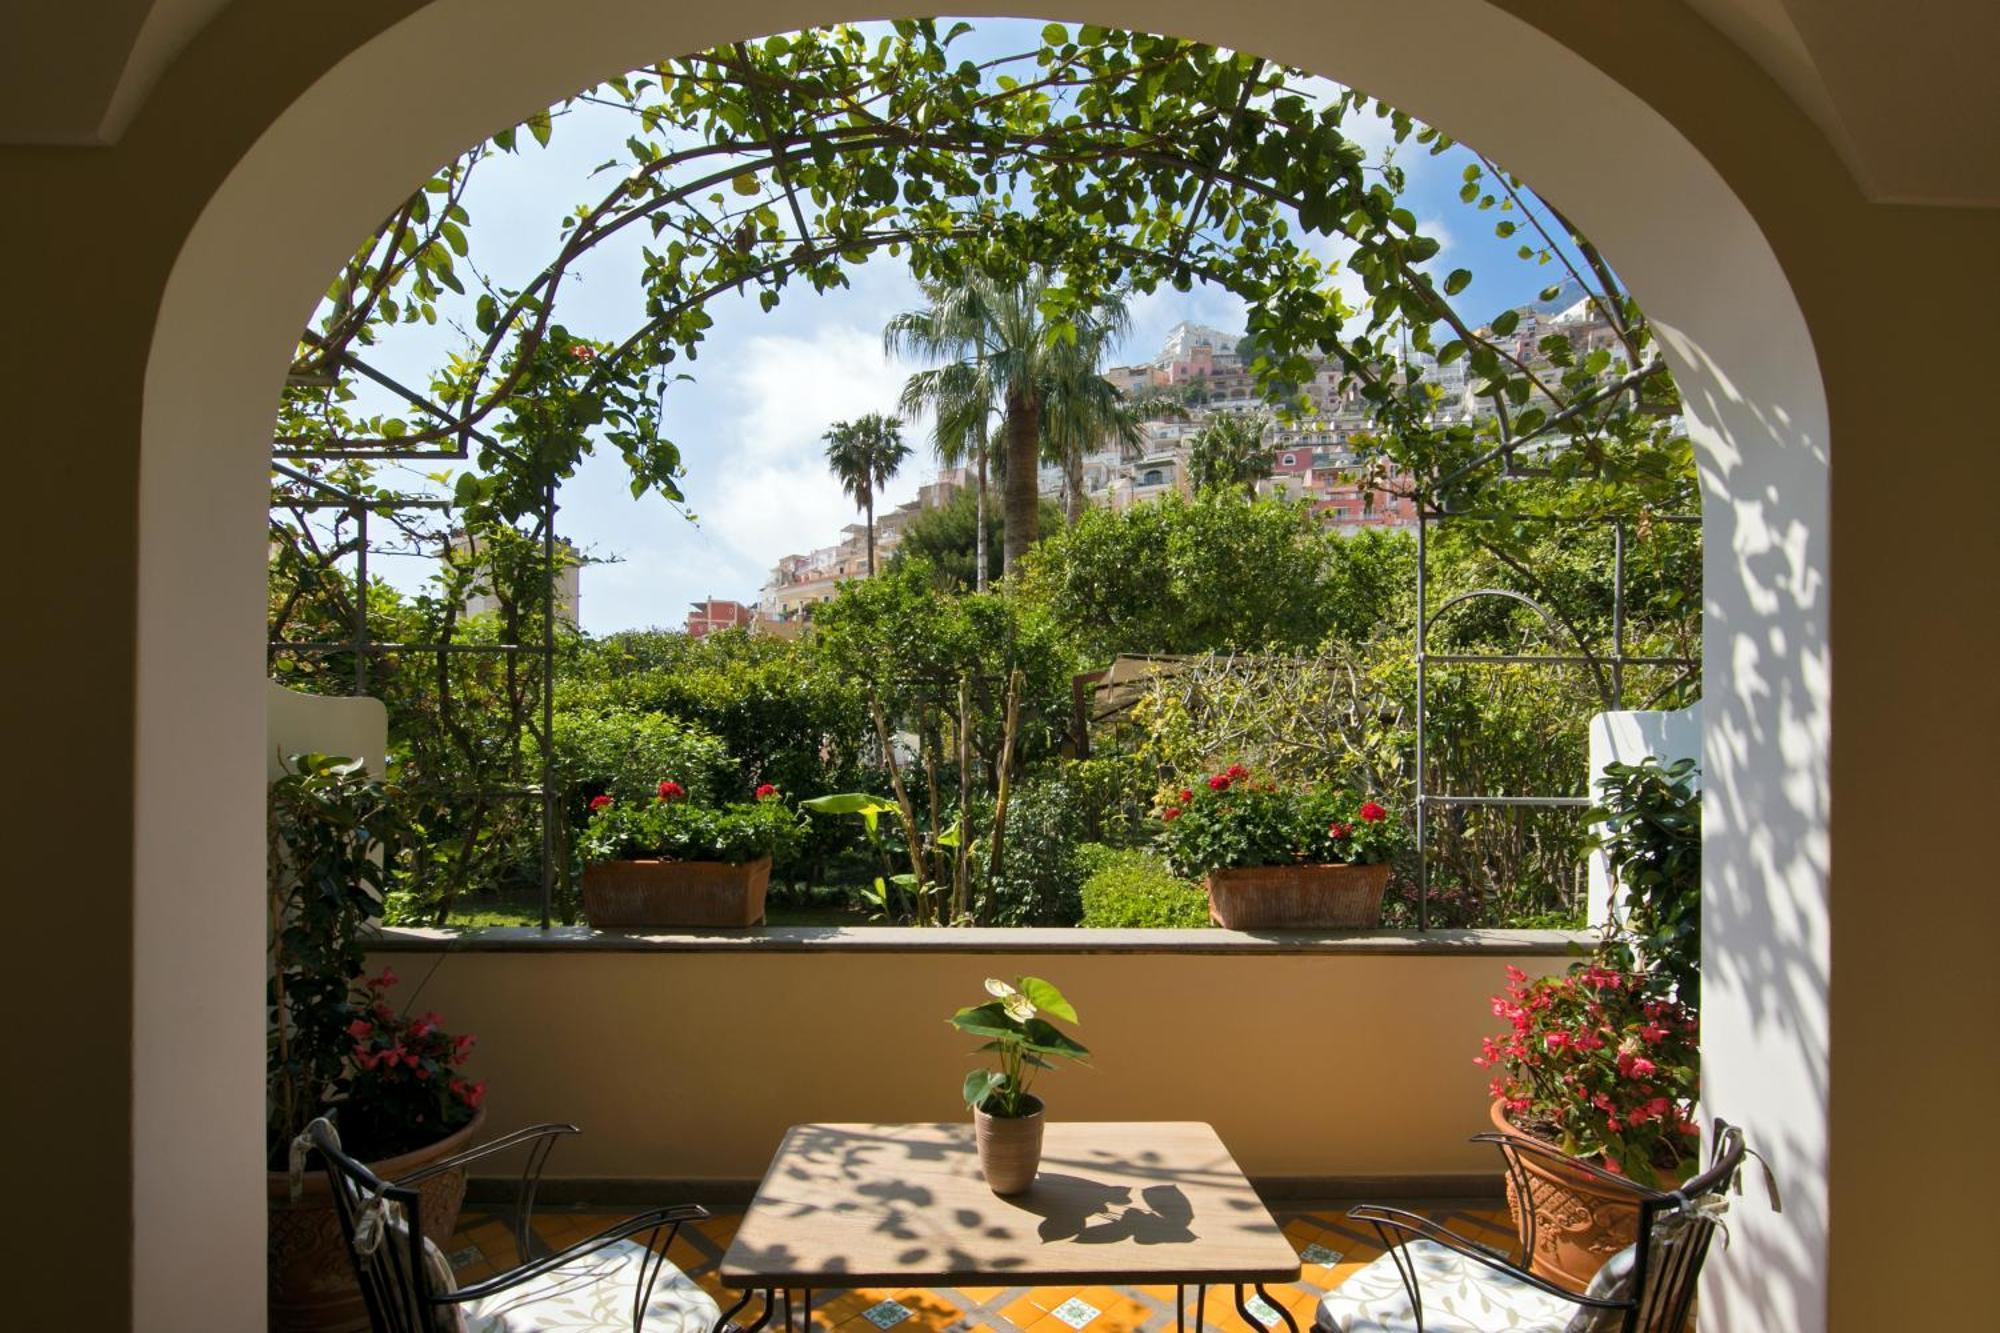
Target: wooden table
[[905, 1205]]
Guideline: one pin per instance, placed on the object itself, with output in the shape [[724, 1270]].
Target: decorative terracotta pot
[[1579, 1222], [312, 1279], [1010, 1147], [1297, 897], [675, 893]]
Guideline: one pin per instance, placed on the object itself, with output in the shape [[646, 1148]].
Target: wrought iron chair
[[1433, 1280], [609, 1282]]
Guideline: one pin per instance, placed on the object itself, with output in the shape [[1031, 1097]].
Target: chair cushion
[[1460, 1296], [594, 1295]]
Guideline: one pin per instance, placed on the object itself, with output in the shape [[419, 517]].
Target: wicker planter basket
[[1297, 897], [675, 893]]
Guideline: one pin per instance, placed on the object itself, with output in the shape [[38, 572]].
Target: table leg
[[1243, 1308]]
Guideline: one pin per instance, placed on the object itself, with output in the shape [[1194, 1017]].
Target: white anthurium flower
[[1018, 1006]]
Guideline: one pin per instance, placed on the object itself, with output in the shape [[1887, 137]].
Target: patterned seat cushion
[[594, 1295], [1460, 1296]]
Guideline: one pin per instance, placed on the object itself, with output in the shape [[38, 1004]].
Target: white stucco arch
[[338, 158]]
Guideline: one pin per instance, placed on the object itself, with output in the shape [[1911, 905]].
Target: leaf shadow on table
[[1095, 1212]]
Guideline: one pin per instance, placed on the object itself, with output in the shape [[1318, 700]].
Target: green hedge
[[1135, 890]]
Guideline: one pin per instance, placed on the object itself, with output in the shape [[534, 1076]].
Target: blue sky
[[767, 385]]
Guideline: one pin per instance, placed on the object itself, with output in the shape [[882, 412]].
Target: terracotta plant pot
[[1297, 897], [675, 893], [1010, 1147], [312, 1279], [1579, 1222]]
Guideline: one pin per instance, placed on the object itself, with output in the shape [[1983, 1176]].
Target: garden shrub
[[1134, 889], [1116, 791], [1039, 871], [626, 754]]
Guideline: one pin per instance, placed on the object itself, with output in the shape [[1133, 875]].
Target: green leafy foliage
[[1648, 822], [1229, 453], [677, 829], [624, 754], [1039, 870], [328, 823], [1132, 889], [946, 539], [1221, 572]]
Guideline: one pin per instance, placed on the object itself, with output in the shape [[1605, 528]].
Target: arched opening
[[378, 122]]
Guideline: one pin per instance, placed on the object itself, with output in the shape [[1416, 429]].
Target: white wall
[[353, 727]]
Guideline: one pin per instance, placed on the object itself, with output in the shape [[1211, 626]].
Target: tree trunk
[[868, 502], [979, 506], [1073, 483], [1023, 491]]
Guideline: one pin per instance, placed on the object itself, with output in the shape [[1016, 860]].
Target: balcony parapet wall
[[1330, 1064]]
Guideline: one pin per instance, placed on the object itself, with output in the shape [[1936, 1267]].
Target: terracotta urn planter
[[1579, 1223], [312, 1280], [1297, 897], [675, 893], [1010, 1147]]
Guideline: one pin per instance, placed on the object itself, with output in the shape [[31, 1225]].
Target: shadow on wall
[[1766, 728]]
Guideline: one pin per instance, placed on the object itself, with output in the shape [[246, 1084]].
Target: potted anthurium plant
[[1278, 856], [1603, 1061], [1007, 1118], [672, 861], [393, 1084]]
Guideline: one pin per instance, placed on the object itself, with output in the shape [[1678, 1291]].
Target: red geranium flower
[[1220, 782], [1171, 812], [1373, 813], [360, 1028], [1187, 794], [671, 790], [1338, 830], [767, 791], [599, 802], [1237, 772]]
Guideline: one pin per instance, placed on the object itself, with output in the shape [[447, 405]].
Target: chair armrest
[[488, 1149], [669, 1217], [1383, 1217]]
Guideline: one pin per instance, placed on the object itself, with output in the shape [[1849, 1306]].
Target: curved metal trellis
[[1612, 687], [364, 646]]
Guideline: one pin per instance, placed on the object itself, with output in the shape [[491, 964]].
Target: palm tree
[[1229, 453], [997, 351], [864, 454], [960, 396]]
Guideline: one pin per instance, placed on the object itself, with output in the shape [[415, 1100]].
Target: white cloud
[[773, 494]]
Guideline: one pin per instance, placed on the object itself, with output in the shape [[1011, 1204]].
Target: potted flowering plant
[[1600, 1065], [671, 861], [1274, 856], [1007, 1118], [335, 1045]]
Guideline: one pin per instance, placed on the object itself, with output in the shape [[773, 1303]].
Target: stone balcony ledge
[[978, 940]]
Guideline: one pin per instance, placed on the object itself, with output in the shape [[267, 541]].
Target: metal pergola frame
[[364, 646], [1617, 660]]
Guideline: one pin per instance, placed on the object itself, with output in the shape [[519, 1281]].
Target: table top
[[875, 1205]]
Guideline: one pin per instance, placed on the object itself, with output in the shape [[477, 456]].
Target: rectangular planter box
[[675, 893], [1298, 897]]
